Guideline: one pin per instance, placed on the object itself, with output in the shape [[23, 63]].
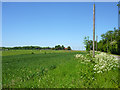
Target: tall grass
[[52, 69]]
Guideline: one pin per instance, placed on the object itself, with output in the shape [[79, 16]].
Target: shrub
[[32, 53]]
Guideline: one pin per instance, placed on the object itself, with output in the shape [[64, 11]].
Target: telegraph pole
[[94, 30]]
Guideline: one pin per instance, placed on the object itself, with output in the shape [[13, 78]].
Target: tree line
[[110, 42], [57, 47]]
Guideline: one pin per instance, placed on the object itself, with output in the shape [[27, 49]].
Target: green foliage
[[63, 48], [118, 4], [87, 43], [58, 47], [32, 52], [110, 42], [21, 69], [68, 48], [45, 53]]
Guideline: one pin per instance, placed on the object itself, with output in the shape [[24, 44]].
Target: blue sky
[[119, 16], [50, 24]]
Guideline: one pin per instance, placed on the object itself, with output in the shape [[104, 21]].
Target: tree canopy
[[57, 47], [110, 42]]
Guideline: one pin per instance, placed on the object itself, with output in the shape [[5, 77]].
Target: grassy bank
[[52, 69]]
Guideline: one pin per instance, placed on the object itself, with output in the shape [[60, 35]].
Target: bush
[[32, 53], [45, 53]]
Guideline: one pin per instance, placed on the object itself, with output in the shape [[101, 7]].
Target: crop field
[[58, 69]]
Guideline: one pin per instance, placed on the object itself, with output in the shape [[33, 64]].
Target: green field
[[52, 69]]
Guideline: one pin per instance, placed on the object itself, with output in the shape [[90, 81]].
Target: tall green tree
[[110, 42]]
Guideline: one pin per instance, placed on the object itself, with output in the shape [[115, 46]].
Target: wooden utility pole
[[96, 42], [94, 30]]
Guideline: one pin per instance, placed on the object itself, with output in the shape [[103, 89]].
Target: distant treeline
[[110, 42], [58, 47]]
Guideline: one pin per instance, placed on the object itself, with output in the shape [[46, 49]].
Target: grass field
[[52, 69]]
